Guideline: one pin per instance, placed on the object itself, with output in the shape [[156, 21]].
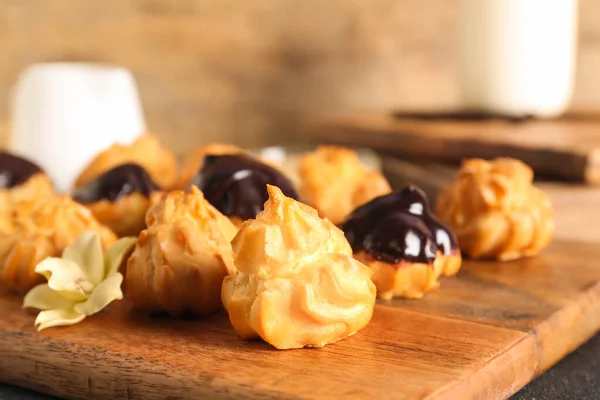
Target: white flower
[[80, 283]]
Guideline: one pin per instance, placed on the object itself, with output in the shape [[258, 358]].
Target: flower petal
[[113, 257], [44, 298], [65, 277], [106, 292], [86, 252], [57, 317]]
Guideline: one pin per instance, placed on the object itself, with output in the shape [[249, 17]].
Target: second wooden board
[[566, 149]]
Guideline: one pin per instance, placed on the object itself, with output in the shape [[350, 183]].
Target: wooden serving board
[[567, 149], [482, 335]]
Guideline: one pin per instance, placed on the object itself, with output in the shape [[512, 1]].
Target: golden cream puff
[[21, 180], [146, 151], [334, 181], [405, 245], [296, 284], [119, 198], [43, 228], [180, 260], [236, 184], [496, 211]]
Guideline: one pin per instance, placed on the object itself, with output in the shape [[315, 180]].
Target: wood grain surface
[[482, 335], [568, 149], [253, 72]]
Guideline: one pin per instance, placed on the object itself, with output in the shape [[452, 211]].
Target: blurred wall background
[[256, 71]]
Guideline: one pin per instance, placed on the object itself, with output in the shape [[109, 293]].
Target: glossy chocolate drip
[[15, 171], [399, 226], [236, 184], [115, 184]]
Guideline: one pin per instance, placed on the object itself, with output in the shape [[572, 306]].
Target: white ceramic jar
[[517, 57], [63, 114]]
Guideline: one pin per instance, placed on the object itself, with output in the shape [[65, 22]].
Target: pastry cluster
[[43, 228], [406, 246], [181, 258], [334, 181], [289, 276], [496, 211], [297, 283]]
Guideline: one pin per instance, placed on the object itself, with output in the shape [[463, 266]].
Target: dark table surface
[[577, 377]]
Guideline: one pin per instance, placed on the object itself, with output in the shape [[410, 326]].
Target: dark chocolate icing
[[399, 226], [115, 184], [236, 184], [15, 170]]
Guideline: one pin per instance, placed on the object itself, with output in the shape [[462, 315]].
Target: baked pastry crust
[[449, 264], [43, 228], [119, 198], [334, 181], [38, 186], [195, 159], [297, 283], [403, 279], [495, 210], [180, 260], [125, 217], [146, 151]]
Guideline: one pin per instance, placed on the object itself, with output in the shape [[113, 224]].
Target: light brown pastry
[[194, 160], [406, 279], [119, 198], [180, 260], [297, 283], [43, 228], [334, 181], [38, 186], [146, 151], [449, 264], [125, 217], [20, 180], [495, 210]]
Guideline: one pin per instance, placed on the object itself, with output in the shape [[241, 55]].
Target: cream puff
[[194, 161], [405, 245], [334, 181], [236, 184], [180, 260], [146, 151], [119, 198], [21, 180], [297, 284], [496, 211], [43, 228]]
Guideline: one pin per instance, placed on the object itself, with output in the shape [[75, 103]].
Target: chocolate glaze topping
[[116, 183], [399, 226], [236, 184], [15, 171]]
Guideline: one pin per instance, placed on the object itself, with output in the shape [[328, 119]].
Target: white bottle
[[63, 114], [517, 57]]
